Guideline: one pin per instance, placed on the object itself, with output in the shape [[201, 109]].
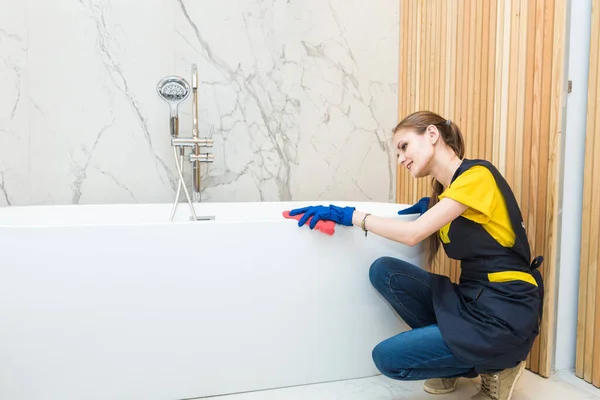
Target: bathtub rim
[[160, 212]]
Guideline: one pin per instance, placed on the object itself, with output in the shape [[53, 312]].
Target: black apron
[[491, 318]]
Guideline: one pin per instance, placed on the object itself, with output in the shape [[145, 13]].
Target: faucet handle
[[192, 142], [203, 158]]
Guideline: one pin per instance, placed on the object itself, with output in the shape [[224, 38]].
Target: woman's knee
[[382, 268], [385, 360], [382, 359], [379, 271]]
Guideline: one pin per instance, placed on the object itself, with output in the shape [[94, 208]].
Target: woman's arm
[[411, 233]]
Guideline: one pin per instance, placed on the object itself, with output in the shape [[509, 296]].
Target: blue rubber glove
[[420, 207], [339, 215]]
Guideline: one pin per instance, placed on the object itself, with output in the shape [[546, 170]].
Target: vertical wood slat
[[520, 117], [552, 208], [451, 264], [504, 81], [528, 123], [542, 240], [512, 73], [595, 207], [587, 268], [593, 259], [587, 365], [493, 67], [586, 286], [492, 77], [481, 68], [594, 322]]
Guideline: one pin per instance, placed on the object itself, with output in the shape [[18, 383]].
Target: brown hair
[[452, 136]]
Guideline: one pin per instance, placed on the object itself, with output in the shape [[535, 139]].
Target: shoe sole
[[440, 391], [521, 369]]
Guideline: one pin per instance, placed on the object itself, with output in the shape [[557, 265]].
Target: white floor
[[561, 386]]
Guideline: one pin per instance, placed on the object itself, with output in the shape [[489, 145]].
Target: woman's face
[[415, 151]]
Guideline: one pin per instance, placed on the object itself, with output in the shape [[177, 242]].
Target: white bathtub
[[114, 302]]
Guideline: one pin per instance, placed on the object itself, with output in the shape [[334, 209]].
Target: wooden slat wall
[[588, 321], [494, 67]]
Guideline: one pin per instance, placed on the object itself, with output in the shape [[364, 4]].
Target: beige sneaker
[[501, 385], [440, 385]]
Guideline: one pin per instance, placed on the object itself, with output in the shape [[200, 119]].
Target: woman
[[487, 323]]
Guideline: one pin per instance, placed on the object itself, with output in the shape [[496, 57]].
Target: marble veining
[[299, 98], [14, 108]]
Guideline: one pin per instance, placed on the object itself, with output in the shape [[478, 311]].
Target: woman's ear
[[433, 134]]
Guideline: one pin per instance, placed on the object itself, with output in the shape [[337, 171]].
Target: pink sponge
[[327, 227]]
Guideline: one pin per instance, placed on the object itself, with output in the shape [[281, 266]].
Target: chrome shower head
[[173, 90]]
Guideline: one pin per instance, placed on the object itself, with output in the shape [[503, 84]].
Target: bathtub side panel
[[187, 310]]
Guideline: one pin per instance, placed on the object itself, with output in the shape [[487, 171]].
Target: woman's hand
[[339, 215], [419, 208]]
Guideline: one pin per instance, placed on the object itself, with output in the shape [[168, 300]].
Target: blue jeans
[[420, 353]]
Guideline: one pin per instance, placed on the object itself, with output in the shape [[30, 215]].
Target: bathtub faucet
[[174, 89], [195, 142]]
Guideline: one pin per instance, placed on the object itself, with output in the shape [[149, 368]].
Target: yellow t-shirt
[[477, 189]]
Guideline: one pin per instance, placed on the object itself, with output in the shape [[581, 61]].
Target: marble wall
[[302, 96]]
